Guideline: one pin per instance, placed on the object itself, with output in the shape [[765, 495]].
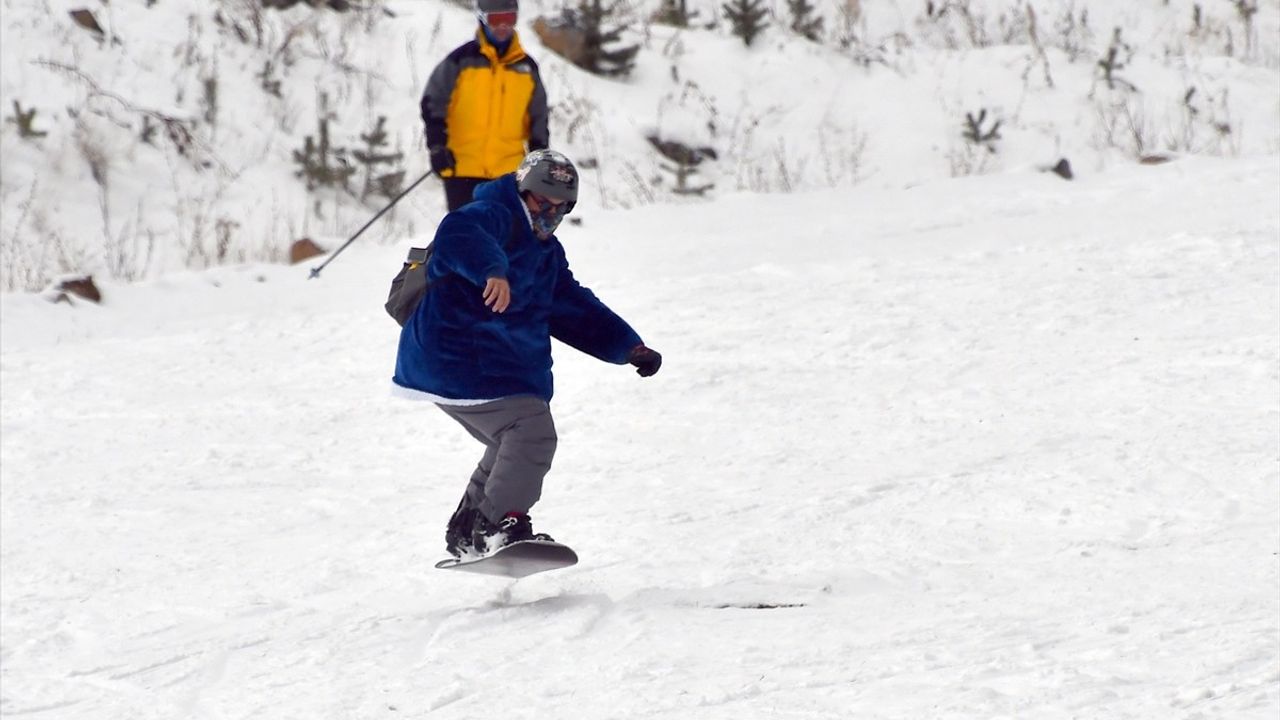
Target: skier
[[483, 104], [479, 343]]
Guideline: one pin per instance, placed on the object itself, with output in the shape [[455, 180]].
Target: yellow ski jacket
[[486, 108]]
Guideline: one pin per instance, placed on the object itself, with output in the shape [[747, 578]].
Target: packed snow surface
[[999, 447]]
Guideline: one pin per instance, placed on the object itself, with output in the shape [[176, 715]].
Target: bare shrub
[[1204, 125], [640, 191], [18, 269], [128, 252], [850, 12], [92, 149], [576, 115], [1245, 10], [1039, 56], [779, 169], [1122, 124], [204, 235], [969, 159], [1071, 32], [955, 24], [939, 25], [741, 145], [842, 152], [176, 130], [884, 51], [223, 233], [57, 254]]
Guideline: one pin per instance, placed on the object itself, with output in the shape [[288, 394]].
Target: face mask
[[500, 37], [547, 217]]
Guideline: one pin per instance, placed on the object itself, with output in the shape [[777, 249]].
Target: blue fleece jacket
[[455, 347]]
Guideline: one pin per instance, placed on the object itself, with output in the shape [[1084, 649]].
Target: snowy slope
[[880, 102], [997, 447]]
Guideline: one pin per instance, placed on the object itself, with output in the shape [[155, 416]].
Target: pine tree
[[675, 13], [747, 18], [372, 156], [321, 164], [685, 161], [803, 21], [24, 120], [592, 16]]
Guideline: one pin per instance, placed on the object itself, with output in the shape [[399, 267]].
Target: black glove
[[441, 159], [647, 361]]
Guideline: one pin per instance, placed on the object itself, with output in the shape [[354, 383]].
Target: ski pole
[[315, 272]]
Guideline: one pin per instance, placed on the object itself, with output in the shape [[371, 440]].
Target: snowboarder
[[479, 343], [483, 104]]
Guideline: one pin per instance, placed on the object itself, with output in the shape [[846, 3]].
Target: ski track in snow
[[1012, 457]]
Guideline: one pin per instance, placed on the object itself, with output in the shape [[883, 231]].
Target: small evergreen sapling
[[1117, 57], [685, 162], [268, 81], [322, 165], [386, 184], [675, 13], [24, 122], [747, 18], [803, 20], [594, 18], [974, 132]]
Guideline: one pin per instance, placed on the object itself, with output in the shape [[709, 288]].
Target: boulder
[[303, 249], [81, 286], [86, 19], [562, 38], [1063, 169]]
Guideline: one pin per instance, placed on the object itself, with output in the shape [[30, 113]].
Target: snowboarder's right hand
[[497, 294], [646, 360], [441, 159]]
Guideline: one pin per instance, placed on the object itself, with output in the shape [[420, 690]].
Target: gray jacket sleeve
[[435, 100]]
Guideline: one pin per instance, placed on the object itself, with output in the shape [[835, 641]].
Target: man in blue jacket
[[479, 344]]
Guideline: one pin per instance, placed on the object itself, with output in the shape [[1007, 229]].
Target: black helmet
[[489, 6], [549, 174]]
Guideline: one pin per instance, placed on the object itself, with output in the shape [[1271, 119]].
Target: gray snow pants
[[519, 437]]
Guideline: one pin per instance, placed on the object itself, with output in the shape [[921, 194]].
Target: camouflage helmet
[[549, 174]]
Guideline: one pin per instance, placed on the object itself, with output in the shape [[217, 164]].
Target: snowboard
[[517, 560]]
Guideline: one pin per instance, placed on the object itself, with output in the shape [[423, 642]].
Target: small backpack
[[409, 285]]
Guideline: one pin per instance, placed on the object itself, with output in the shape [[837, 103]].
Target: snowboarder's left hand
[[646, 360]]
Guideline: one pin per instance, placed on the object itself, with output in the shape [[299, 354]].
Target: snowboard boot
[[457, 537], [488, 537]]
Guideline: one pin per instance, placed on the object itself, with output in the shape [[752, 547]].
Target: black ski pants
[[458, 190]]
